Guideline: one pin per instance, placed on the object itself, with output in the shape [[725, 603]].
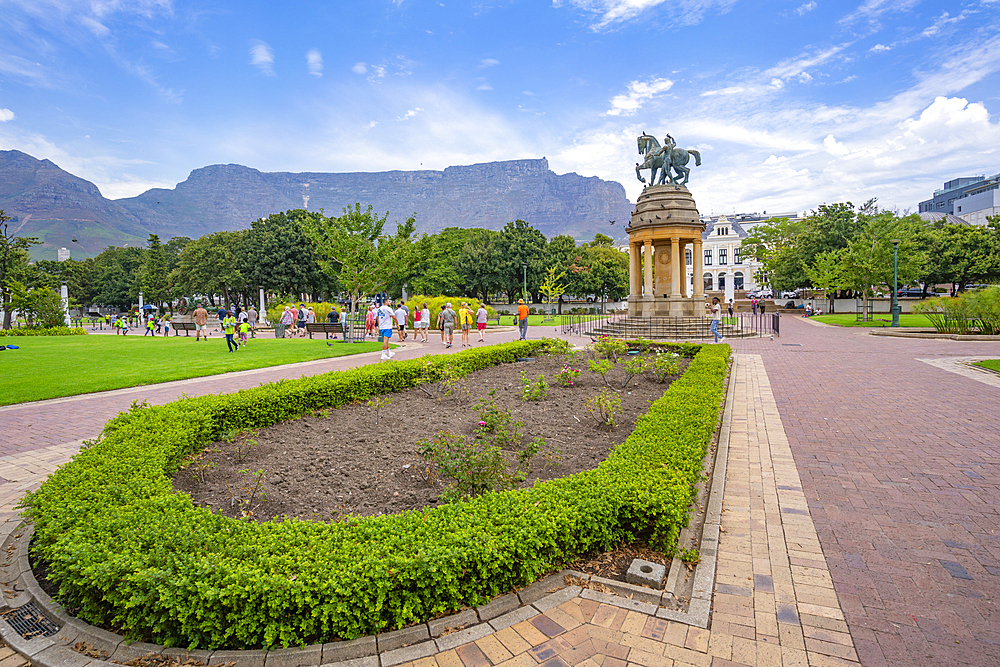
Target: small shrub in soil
[[533, 391], [605, 407]]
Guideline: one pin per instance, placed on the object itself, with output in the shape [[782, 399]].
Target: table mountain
[[57, 207]]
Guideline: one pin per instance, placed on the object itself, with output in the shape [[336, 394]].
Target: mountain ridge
[[229, 196]]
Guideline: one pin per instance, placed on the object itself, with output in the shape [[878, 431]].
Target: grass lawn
[[54, 366], [992, 364], [880, 320]]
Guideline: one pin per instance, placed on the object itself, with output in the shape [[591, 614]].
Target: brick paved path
[[900, 464]]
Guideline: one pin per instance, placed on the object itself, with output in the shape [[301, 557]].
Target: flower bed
[[129, 552]]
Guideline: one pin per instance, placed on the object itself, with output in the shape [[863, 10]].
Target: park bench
[[324, 328], [183, 326]]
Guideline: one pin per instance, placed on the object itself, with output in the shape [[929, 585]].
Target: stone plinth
[[665, 225]]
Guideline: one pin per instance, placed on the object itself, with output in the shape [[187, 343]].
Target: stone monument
[[664, 225]]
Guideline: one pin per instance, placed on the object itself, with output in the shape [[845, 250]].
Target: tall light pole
[[895, 283], [524, 275]]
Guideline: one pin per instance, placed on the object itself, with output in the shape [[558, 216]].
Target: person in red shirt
[[522, 319]]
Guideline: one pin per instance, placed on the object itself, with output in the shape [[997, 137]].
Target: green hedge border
[[31, 331], [131, 553]]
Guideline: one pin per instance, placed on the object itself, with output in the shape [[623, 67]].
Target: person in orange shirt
[[522, 319]]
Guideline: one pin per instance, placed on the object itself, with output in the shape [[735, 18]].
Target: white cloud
[[314, 61], [797, 66], [6, 115], [871, 10], [262, 56], [639, 92], [360, 68], [833, 147], [880, 48], [678, 12], [773, 160], [488, 62], [806, 8], [410, 114]]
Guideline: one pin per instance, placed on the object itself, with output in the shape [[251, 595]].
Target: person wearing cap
[[522, 319], [229, 328], [448, 318]]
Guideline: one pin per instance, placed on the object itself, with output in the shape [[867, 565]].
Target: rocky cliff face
[[481, 195], [46, 202], [58, 207]]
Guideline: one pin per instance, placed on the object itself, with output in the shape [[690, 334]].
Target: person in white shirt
[[716, 318], [481, 316], [401, 321], [424, 323], [386, 318]]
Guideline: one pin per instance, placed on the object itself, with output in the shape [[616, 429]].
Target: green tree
[[355, 249], [479, 263], [13, 263], [772, 244], [152, 275], [520, 245], [551, 288], [438, 268], [172, 251], [208, 266], [825, 273], [280, 258], [868, 260]]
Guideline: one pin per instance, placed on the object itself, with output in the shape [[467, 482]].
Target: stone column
[[634, 269], [648, 274], [698, 270], [675, 266]]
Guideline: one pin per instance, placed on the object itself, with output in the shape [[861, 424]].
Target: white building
[[976, 207], [62, 255]]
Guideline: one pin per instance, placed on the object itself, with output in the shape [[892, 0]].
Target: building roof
[[934, 216], [735, 228]]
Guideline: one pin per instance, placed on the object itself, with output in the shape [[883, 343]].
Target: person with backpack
[[448, 319], [465, 319]]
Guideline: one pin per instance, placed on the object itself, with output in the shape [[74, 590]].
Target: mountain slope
[[482, 195], [57, 207]]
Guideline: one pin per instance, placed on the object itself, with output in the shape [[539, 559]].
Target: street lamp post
[[895, 283], [524, 275]]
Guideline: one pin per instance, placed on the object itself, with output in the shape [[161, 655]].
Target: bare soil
[[336, 463]]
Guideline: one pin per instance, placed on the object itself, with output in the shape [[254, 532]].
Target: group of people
[[386, 319], [295, 319], [151, 324], [238, 325], [810, 312]]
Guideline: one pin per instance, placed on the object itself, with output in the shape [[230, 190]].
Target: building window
[[738, 280], [723, 253], [688, 256], [737, 256], [722, 282], [708, 282], [708, 257]]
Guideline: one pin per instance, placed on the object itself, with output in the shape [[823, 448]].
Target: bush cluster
[[131, 553], [969, 313], [39, 331]]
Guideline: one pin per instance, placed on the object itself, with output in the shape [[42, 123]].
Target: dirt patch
[[336, 463]]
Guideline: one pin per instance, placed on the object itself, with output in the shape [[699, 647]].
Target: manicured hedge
[[32, 331], [131, 553]]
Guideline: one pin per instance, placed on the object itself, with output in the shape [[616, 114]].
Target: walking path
[[860, 513]]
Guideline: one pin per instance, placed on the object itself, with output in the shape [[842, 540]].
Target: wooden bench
[[183, 326], [325, 328]]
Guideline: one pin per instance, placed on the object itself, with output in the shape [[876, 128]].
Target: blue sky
[[791, 104]]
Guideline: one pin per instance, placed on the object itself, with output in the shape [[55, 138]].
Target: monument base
[[666, 306]]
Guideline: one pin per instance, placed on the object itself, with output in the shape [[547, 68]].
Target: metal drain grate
[[30, 622], [791, 345]]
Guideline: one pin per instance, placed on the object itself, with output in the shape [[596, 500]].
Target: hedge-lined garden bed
[[39, 331], [130, 553]]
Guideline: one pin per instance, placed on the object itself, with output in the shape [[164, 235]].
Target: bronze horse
[[664, 158]]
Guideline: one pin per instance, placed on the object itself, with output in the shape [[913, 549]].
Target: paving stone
[[349, 650], [308, 656], [57, 656], [462, 619], [499, 605], [389, 641], [400, 655], [456, 639], [555, 599], [513, 618], [616, 601]]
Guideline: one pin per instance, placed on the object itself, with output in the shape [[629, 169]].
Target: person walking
[[150, 328], [440, 323], [753, 305], [763, 307], [229, 328], [370, 320], [448, 319], [481, 316], [522, 319], [385, 316], [244, 330], [400, 314], [425, 321], [221, 314], [465, 319], [716, 317], [730, 308], [252, 321], [303, 318], [200, 322], [166, 326], [286, 320]]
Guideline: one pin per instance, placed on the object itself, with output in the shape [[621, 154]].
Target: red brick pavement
[[900, 463]]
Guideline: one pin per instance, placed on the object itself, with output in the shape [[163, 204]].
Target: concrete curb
[[896, 333]]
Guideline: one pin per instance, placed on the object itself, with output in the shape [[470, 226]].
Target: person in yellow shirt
[[465, 319], [522, 319], [229, 327]]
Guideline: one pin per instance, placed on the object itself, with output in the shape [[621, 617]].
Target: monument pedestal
[[665, 226]]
